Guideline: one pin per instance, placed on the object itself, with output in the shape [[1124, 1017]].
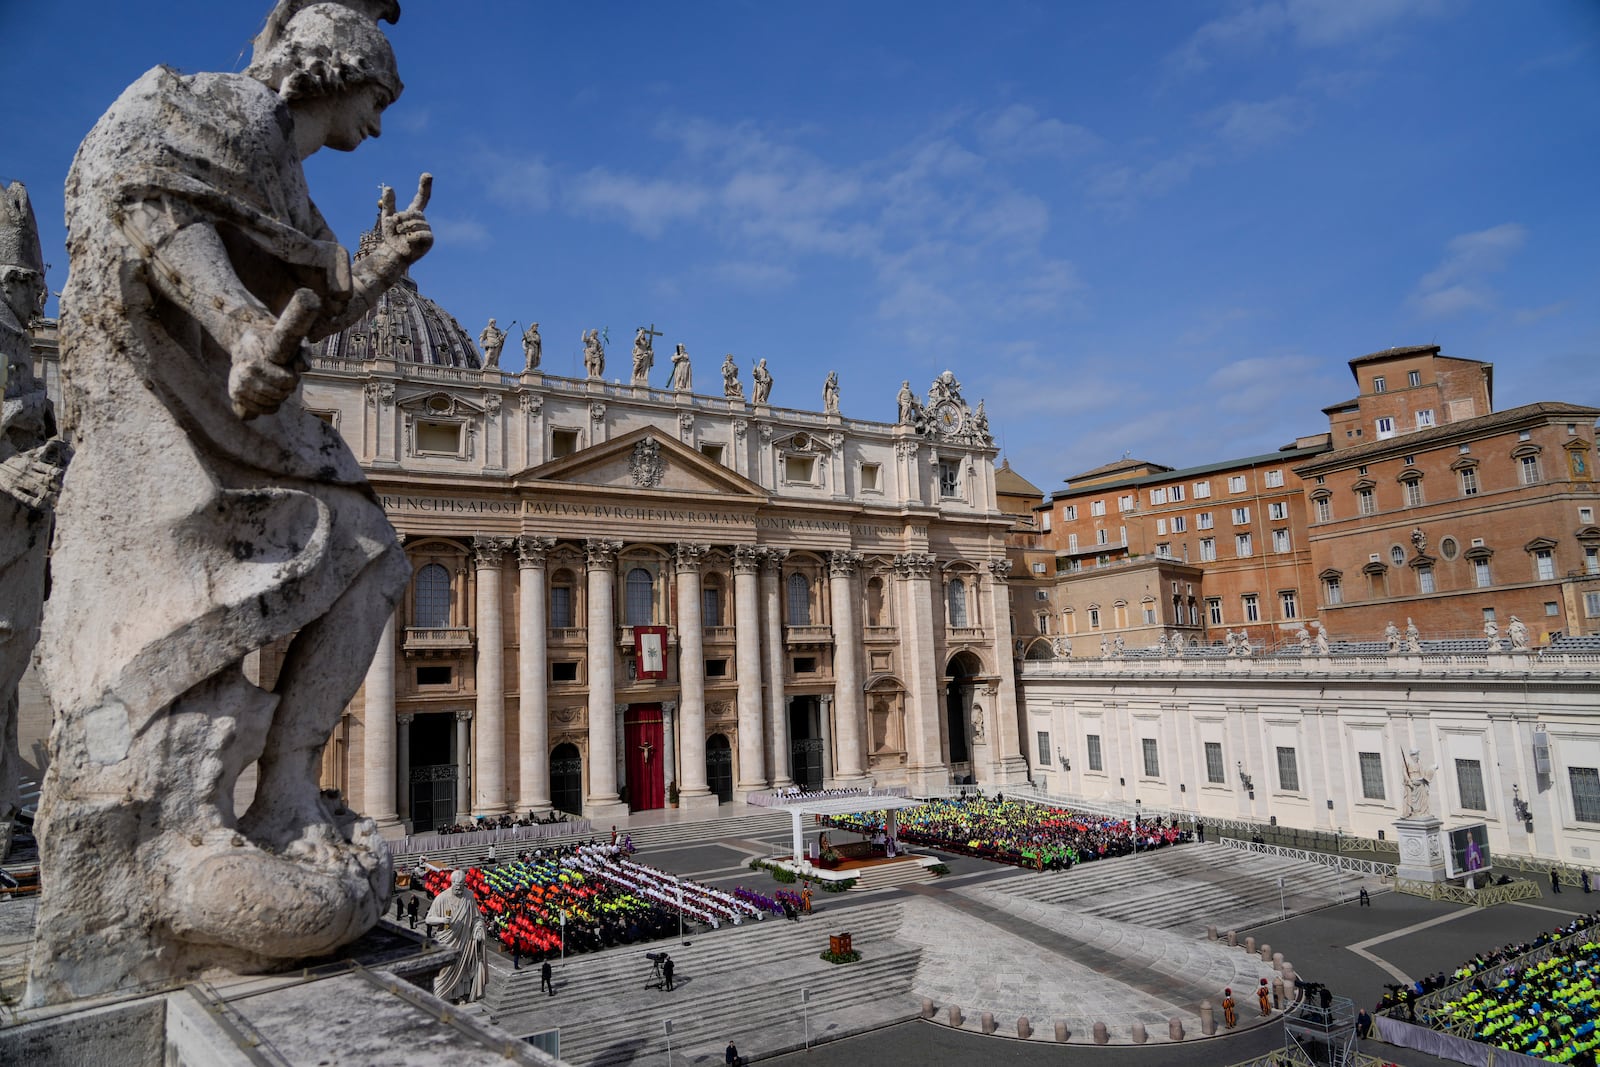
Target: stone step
[[886, 876]]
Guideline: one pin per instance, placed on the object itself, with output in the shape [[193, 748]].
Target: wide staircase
[[737, 981], [889, 875], [1191, 886]]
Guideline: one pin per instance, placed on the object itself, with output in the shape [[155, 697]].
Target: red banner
[[650, 651]]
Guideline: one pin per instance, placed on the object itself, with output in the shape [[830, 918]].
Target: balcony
[[720, 634], [966, 633], [808, 635], [437, 638], [568, 635], [881, 633]]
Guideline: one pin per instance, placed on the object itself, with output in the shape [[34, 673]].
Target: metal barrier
[[1339, 863], [1488, 896]]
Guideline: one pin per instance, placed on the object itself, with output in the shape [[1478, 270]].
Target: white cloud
[[522, 183], [648, 205], [754, 275], [1460, 282], [1305, 23], [450, 231], [1251, 124], [1019, 131]]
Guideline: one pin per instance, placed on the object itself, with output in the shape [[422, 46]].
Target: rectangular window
[[1274, 479], [1236, 483], [564, 671], [1530, 470], [1425, 580], [1586, 516], [1287, 600], [439, 438], [563, 443], [1585, 793], [1414, 378], [1469, 781], [1324, 509], [1161, 526], [1469, 481], [1242, 545], [949, 479], [1149, 614], [1424, 418], [1208, 549], [1164, 549], [1252, 607], [1214, 773], [1127, 502], [560, 607], [1371, 775], [1332, 591], [1072, 542], [1366, 502], [871, 478], [1551, 608], [1591, 559], [1152, 759], [436, 675], [802, 469], [1278, 510], [1094, 618], [1480, 573], [1591, 605], [1070, 513], [1180, 523], [716, 668], [1288, 770], [1241, 516], [1044, 748], [1214, 610], [1158, 496], [1414, 493], [712, 452], [1202, 490], [1177, 494], [1101, 537], [1204, 521], [1280, 540], [710, 607], [1544, 564], [1385, 427], [1097, 507]]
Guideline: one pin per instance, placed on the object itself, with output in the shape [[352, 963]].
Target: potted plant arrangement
[[672, 795]]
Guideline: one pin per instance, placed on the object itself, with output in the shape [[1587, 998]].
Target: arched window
[[799, 600], [640, 597], [958, 602], [431, 602]]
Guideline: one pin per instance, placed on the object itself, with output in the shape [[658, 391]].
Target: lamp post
[[666, 1024], [1135, 826]]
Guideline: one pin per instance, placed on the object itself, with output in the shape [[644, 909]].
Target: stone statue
[[682, 375], [1491, 633], [830, 393], [532, 347], [977, 722], [1518, 632], [594, 355], [199, 268], [454, 919], [1117, 646], [1231, 641], [1062, 647], [732, 387], [1322, 639], [1413, 637], [1105, 647], [644, 355], [1303, 636], [1419, 541], [1417, 802], [1162, 646], [492, 340], [761, 380], [980, 421], [32, 460], [1391, 637], [907, 401]]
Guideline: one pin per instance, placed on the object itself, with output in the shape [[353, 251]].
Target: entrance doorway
[[805, 743], [432, 788], [963, 669], [566, 778], [719, 767], [641, 734]]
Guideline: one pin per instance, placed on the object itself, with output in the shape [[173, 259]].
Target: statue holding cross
[[644, 353]]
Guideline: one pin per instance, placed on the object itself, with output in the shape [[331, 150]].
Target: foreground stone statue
[[455, 920], [31, 463], [209, 515]]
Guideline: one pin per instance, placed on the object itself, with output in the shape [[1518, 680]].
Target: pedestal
[[1421, 849]]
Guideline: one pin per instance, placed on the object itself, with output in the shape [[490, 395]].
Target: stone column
[[1011, 765], [692, 788], [669, 748], [533, 676], [925, 766], [463, 765], [846, 664], [489, 793], [825, 731], [403, 768], [377, 761], [601, 563], [747, 658], [772, 640]]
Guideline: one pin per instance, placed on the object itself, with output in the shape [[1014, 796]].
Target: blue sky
[[1157, 228]]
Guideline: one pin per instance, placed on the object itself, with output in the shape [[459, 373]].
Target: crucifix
[[646, 747], [651, 332]]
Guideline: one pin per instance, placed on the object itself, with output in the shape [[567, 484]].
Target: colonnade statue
[[209, 515]]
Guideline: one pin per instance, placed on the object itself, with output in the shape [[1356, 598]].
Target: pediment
[[644, 460], [440, 403]]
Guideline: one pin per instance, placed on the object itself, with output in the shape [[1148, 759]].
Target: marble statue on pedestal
[[761, 382], [1418, 802], [455, 920], [1518, 632], [594, 355], [830, 393], [682, 373], [32, 460], [532, 347], [209, 515], [1413, 638], [644, 354], [732, 387], [492, 340]]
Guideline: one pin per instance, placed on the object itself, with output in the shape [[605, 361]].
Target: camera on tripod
[[655, 957]]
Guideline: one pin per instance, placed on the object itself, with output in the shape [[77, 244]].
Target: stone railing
[[808, 635], [1323, 859], [1581, 664], [431, 637], [720, 633], [563, 635]]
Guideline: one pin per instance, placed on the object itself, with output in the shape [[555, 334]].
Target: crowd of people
[[1019, 833], [1549, 1009], [502, 822]]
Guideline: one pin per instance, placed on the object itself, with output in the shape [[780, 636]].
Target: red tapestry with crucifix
[[646, 769]]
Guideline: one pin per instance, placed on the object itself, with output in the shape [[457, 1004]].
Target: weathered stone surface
[[209, 515]]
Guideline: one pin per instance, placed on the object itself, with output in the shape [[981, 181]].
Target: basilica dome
[[404, 326]]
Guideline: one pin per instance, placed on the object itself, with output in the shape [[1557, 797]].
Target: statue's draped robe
[[469, 972]]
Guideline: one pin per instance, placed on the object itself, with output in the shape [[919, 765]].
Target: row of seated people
[[1548, 1009], [502, 822], [1019, 832]]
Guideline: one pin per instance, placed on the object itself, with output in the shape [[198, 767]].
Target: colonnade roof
[[848, 805]]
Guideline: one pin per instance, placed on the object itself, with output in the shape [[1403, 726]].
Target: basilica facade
[[626, 595]]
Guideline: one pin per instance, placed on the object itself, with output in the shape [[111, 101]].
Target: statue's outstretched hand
[[407, 233]]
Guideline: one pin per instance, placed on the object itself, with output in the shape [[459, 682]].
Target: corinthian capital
[[914, 565], [772, 559], [689, 556], [599, 553], [843, 564], [531, 551], [746, 559], [490, 551], [1000, 568]]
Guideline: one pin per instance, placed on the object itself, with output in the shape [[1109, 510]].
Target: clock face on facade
[[948, 416]]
